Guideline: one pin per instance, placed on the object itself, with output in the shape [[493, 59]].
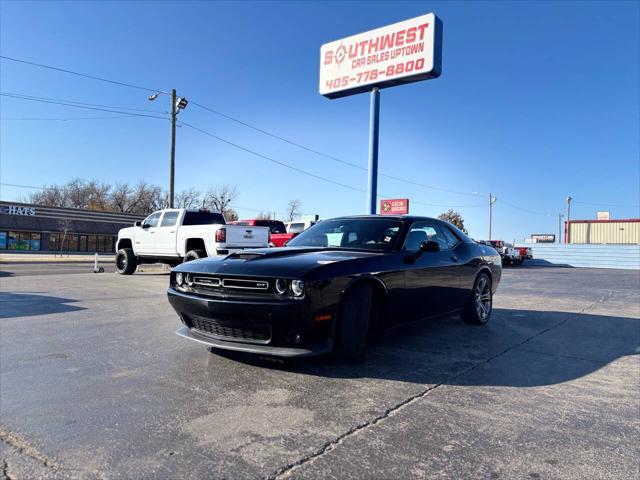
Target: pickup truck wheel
[[126, 261], [194, 255], [478, 310], [353, 324]]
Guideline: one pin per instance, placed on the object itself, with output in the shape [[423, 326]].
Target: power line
[[304, 172], [607, 204], [61, 119], [93, 77], [311, 150], [523, 209], [322, 154], [131, 114], [33, 97]]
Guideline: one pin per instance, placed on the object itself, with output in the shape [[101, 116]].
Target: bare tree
[[293, 209], [221, 197], [190, 198], [231, 215], [66, 226], [454, 218], [264, 216]]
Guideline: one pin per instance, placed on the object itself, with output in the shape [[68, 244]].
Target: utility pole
[[569, 199], [374, 133], [560, 215], [172, 164], [492, 199], [177, 104]]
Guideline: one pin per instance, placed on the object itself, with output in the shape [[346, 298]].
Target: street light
[[177, 104], [569, 199]]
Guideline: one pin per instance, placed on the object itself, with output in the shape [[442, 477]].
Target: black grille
[[213, 328]]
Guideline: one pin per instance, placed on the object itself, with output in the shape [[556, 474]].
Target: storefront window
[[83, 243], [92, 243], [35, 241], [3, 240]]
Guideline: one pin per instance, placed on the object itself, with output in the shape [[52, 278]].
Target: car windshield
[[358, 233]]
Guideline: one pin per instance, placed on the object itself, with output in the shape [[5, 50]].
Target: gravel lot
[[94, 384]]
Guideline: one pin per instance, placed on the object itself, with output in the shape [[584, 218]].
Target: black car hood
[[291, 262]]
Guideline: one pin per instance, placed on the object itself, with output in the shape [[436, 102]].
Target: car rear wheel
[[353, 324], [126, 261], [194, 255], [478, 310]]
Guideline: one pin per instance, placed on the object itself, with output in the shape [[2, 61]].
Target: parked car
[[509, 254], [299, 226], [175, 235], [277, 230], [334, 286]]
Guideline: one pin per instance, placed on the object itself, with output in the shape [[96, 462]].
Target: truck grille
[[213, 328]]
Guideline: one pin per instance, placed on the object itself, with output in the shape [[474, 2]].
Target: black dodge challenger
[[335, 286]]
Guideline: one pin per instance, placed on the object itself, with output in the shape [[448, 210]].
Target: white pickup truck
[[173, 236]]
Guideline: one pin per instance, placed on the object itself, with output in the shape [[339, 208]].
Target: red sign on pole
[[395, 206]]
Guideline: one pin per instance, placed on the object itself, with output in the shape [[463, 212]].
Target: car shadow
[[31, 304], [519, 348]]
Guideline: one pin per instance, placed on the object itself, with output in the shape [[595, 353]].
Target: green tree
[[454, 218]]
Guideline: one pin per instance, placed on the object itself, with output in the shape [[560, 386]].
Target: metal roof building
[[28, 227], [620, 232]]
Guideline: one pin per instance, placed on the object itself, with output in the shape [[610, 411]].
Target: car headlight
[[179, 278], [297, 287], [189, 279], [281, 286]]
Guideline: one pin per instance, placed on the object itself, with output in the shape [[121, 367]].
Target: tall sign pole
[[374, 134], [404, 52], [560, 215]]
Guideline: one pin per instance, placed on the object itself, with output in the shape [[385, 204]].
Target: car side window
[[452, 239], [152, 220], [424, 232], [169, 219]]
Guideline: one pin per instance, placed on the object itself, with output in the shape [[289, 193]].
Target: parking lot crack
[[330, 445], [24, 448]]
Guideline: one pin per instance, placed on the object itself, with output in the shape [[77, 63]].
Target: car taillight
[[221, 235]]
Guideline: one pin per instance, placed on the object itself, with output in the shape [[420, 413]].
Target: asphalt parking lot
[[94, 384]]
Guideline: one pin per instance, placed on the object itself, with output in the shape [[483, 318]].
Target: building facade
[[27, 227], [620, 232]]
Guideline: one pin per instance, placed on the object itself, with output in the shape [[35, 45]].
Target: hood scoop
[[244, 255]]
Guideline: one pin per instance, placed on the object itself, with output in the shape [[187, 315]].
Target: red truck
[[278, 235]]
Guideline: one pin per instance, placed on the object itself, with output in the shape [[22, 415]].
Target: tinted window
[[152, 220], [274, 226], [169, 219], [452, 239], [423, 232], [362, 234], [203, 218], [296, 227]]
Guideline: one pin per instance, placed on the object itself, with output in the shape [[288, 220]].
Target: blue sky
[[536, 101]]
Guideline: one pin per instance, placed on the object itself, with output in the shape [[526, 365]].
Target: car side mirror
[[138, 223], [429, 246]]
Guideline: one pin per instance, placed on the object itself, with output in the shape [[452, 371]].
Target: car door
[[165, 234], [145, 235], [431, 280]]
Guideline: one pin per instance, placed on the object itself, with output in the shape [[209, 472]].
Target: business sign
[[395, 206], [404, 52], [603, 216], [18, 210], [544, 237]]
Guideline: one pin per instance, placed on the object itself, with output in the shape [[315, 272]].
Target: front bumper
[[263, 327], [318, 349]]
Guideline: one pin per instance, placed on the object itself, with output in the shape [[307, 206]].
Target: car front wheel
[[478, 310], [353, 324], [194, 255], [126, 261]]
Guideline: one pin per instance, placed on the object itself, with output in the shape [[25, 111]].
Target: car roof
[[410, 218]]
